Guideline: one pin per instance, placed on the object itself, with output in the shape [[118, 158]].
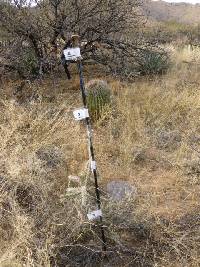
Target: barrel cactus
[[98, 98]]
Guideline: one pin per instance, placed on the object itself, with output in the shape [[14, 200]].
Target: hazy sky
[[187, 1]]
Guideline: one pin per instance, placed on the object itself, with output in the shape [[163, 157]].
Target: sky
[[186, 1]]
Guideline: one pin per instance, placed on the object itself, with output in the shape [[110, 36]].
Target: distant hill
[[180, 12]]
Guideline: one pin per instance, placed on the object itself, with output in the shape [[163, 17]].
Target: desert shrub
[[98, 98], [27, 64], [152, 62], [19, 20]]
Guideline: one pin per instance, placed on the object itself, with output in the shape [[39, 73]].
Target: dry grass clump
[[39, 145], [150, 140]]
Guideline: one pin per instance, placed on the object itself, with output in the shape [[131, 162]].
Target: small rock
[[119, 190]]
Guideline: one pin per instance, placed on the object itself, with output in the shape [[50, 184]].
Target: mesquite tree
[[110, 27]]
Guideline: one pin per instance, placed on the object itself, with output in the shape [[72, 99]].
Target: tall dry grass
[[150, 138]]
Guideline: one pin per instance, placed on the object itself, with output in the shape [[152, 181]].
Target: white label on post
[[72, 53], [93, 165], [81, 114], [94, 215]]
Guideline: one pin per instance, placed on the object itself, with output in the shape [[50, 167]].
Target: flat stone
[[118, 190]]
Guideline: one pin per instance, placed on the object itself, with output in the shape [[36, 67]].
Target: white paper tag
[[94, 215], [72, 53], [81, 114], [93, 165]]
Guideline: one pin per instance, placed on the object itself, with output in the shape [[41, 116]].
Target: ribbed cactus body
[[98, 98]]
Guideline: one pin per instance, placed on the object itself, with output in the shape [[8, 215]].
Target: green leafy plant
[[153, 62]]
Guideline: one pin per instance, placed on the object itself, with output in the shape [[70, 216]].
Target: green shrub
[[98, 98], [152, 62], [28, 63]]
